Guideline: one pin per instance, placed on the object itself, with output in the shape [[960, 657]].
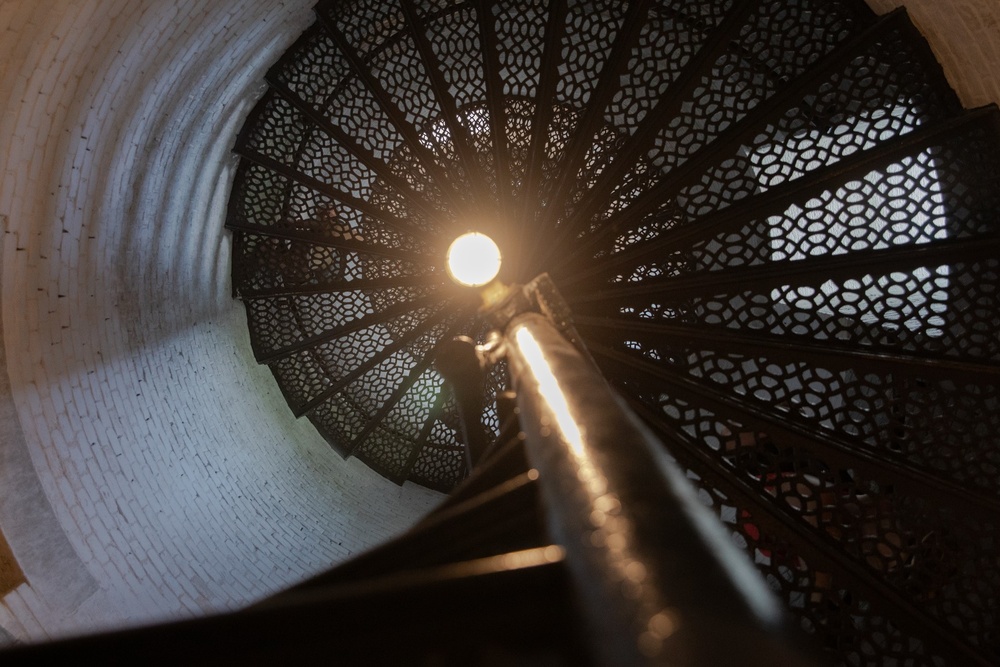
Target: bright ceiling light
[[473, 259]]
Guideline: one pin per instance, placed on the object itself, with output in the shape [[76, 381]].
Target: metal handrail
[[657, 578]]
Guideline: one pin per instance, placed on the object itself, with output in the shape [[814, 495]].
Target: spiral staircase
[[777, 229]]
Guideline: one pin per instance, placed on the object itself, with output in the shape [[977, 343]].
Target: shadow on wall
[[27, 517], [965, 37]]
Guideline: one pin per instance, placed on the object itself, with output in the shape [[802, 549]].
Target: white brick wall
[[168, 457]]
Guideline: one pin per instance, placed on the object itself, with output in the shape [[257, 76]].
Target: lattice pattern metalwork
[[776, 225]]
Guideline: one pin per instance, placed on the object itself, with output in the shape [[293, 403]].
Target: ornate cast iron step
[[776, 224]]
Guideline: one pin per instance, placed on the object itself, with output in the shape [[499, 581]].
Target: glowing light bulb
[[473, 259]]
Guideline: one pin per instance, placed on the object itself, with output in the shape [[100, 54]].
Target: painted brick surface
[[167, 455]]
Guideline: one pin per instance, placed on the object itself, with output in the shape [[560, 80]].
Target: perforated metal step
[[778, 230]]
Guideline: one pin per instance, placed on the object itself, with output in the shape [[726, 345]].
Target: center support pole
[[658, 579]]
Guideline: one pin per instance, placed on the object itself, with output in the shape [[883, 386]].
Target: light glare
[[473, 259], [548, 387]]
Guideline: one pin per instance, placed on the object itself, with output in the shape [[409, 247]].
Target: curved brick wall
[[148, 468], [171, 477]]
